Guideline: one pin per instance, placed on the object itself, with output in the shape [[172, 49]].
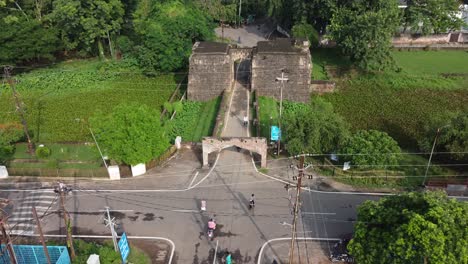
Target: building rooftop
[[210, 47], [282, 45]]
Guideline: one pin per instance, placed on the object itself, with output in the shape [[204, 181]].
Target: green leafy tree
[[306, 31], [432, 16], [219, 10], [132, 134], [167, 31], [84, 24], [9, 133], [411, 228], [378, 149], [452, 135], [363, 30], [24, 40], [314, 128]]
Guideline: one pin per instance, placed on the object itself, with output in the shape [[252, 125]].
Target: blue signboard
[[275, 133], [124, 248]]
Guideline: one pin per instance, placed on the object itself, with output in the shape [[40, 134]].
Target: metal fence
[[26, 254]]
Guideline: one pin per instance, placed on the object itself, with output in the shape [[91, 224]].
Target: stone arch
[[254, 144]]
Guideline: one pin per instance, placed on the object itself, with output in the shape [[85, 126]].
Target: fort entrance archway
[[254, 144]]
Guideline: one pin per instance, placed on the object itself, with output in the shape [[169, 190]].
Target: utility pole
[[282, 79], [240, 8], [296, 209], [432, 152], [19, 108], [62, 189], [46, 251], [9, 244], [111, 223]]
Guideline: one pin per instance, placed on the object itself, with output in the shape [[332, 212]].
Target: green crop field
[[59, 100]]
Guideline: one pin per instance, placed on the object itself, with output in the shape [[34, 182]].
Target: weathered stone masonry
[[210, 71], [254, 144], [271, 57]]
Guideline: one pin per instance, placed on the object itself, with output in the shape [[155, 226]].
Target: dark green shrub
[[42, 152]]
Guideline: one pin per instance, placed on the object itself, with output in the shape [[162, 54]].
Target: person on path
[[246, 120], [228, 258]]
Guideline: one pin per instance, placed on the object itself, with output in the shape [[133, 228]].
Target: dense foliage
[[9, 133], [411, 228], [313, 128], [363, 31], [58, 101], [371, 148], [167, 32], [432, 16], [132, 134], [306, 31], [451, 133], [193, 120]]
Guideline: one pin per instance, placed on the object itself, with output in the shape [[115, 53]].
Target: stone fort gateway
[[279, 68], [214, 67]]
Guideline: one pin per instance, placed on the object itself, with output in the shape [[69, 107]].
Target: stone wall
[[321, 87], [240, 54], [209, 76], [431, 39], [267, 67]]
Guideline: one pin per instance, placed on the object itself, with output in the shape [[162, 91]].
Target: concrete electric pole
[[19, 107], [62, 190], [7, 239], [282, 79], [111, 223], [296, 209], [39, 228]]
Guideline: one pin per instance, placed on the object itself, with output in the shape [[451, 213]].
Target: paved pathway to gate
[[239, 107]]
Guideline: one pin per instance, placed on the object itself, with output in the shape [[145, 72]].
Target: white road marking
[[289, 238], [185, 211], [194, 177], [317, 213]]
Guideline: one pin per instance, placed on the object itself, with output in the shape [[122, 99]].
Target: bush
[[306, 31], [42, 152]]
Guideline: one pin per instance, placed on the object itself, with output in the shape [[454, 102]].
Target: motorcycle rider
[[211, 224], [252, 201]]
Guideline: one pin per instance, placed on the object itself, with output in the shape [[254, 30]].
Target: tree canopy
[[452, 136], [131, 134], [374, 148], [411, 228], [432, 16], [314, 128], [168, 31], [363, 31]]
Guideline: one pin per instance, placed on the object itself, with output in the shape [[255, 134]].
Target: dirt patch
[[158, 251]]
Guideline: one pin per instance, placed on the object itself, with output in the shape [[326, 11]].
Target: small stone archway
[[254, 144]]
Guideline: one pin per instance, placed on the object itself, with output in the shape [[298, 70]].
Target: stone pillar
[[263, 163], [205, 158]]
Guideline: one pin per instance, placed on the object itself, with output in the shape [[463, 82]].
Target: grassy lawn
[[206, 120], [432, 62], [269, 114], [64, 156], [60, 100]]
